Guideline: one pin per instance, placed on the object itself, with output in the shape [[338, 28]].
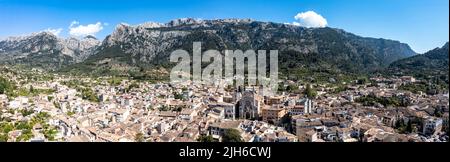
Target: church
[[249, 104]]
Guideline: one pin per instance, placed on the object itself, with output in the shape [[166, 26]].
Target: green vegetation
[[70, 113], [178, 108], [114, 81], [371, 100], [178, 96], [409, 126], [310, 92], [132, 86], [26, 127], [429, 89], [26, 112], [292, 88], [431, 67], [340, 88], [139, 137], [204, 138], [88, 94], [6, 87], [164, 108], [232, 135]]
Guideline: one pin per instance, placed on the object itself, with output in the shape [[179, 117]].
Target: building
[[273, 114], [119, 115], [217, 113], [408, 79], [228, 108], [274, 100], [217, 129], [302, 106], [302, 124], [228, 99], [188, 114], [445, 122], [250, 105], [3, 100], [432, 126], [18, 102]]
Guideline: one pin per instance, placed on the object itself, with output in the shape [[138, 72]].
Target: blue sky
[[423, 24]]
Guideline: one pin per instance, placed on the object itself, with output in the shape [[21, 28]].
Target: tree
[[164, 108], [437, 112], [5, 86], [204, 138], [291, 88], [179, 108], [50, 98], [132, 86], [409, 127], [31, 89], [310, 92], [50, 133], [139, 137], [232, 135], [3, 137]]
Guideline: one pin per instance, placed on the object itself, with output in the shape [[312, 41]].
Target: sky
[[423, 24]]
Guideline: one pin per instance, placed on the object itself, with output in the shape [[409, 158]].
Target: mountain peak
[[90, 37], [445, 45], [184, 21]]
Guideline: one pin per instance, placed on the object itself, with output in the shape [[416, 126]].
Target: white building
[[432, 125]]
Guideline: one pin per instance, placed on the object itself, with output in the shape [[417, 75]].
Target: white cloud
[[310, 19], [83, 30], [54, 31], [296, 23]]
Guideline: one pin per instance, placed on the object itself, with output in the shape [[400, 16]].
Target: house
[[389, 120], [184, 139], [300, 124], [79, 138], [18, 102], [302, 106], [168, 137], [296, 110], [228, 99], [85, 122], [188, 114], [445, 122], [163, 127], [229, 110], [408, 79], [432, 125], [273, 114], [119, 115], [217, 129], [217, 113], [274, 100], [3, 100], [379, 135], [283, 136], [191, 133], [248, 125]]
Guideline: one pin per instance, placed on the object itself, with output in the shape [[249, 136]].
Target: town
[[37, 106]]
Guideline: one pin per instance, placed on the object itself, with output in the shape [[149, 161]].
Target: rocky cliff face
[[151, 43], [46, 50]]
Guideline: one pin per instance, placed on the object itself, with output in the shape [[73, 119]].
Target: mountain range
[[138, 48], [431, 65], [45, 50]]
